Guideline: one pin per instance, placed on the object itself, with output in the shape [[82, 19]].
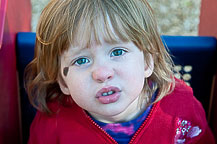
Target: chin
[[112, 112]]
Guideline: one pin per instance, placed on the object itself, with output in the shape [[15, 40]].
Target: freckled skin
[[65, 71]]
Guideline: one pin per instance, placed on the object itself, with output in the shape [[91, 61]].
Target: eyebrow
[[74, 51], [77, 50]]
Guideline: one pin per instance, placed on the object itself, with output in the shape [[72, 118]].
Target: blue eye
[[81, 61], [118, 52]]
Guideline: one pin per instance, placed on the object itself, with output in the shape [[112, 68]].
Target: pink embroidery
[[194, 131], [185, 130], [119, 128]]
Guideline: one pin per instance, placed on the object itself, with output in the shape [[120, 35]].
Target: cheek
[[79, 92], [77, 83], [133, 76], [134, 73], [133, 69], [136, 81]]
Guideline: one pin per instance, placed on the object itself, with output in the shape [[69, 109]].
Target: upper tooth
[[107, 93], [110, 92], [104, 94]]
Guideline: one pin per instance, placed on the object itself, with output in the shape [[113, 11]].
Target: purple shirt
[[123, 132]]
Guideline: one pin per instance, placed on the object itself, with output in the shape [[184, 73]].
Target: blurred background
[[175, 17]]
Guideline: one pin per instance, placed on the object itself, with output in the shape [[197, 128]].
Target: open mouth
[[108, 95], [107, 91]]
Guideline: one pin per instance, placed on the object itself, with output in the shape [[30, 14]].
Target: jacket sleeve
[[43, 129]]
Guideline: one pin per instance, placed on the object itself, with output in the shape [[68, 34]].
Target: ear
[[149, 67], [63, 86]]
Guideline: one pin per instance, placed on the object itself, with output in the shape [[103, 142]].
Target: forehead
[[96, 32]]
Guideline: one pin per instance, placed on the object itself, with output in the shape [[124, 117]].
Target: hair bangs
[[96, 25]]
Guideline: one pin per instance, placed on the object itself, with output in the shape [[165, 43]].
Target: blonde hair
[[67, 22]]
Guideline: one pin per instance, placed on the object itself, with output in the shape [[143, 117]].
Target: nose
[[102, 74]]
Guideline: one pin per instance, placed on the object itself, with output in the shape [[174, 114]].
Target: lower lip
[[109, 99]]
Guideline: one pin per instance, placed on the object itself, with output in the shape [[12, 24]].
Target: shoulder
[[186, 113], [45, 127], [181, 103], [181, 90], [60, 126], [181, 100], [68, 123]]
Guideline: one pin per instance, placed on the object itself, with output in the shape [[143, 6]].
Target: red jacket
[[177, 118]]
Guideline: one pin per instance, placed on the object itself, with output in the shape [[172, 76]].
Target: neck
[[130, 113]]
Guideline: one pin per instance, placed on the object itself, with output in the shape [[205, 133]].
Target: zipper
[[143, 125], [95, 124], [134, 136]]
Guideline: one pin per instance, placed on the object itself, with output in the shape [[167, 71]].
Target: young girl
[[101, 74]]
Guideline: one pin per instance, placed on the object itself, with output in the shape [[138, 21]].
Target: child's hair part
[[65, 23]]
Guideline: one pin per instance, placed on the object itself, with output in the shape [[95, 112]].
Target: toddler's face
[[106, 80]]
